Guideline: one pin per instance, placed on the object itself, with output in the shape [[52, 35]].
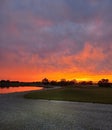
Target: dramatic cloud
[[55, 38]]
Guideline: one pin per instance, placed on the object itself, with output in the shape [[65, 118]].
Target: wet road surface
[[17, 113]]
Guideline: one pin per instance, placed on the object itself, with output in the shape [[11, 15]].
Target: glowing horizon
[[55, 39], [58, 76]]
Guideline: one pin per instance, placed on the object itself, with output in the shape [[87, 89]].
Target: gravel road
[[17, 113]]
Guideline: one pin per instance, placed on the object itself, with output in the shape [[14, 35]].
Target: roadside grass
[[87, 94]]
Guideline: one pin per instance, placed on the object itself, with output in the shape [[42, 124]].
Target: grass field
[[87, 94]]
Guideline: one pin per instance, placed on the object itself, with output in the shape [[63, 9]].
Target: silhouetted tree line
[[86, 83], [104, 83], [46, 83], [8, 83], [64, 82]]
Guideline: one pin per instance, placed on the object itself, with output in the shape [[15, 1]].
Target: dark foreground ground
[[17, 113]]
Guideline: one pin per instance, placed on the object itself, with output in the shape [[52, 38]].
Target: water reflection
[[18, 89]]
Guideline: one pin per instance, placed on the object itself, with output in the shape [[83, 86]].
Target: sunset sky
[[56, 39]]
